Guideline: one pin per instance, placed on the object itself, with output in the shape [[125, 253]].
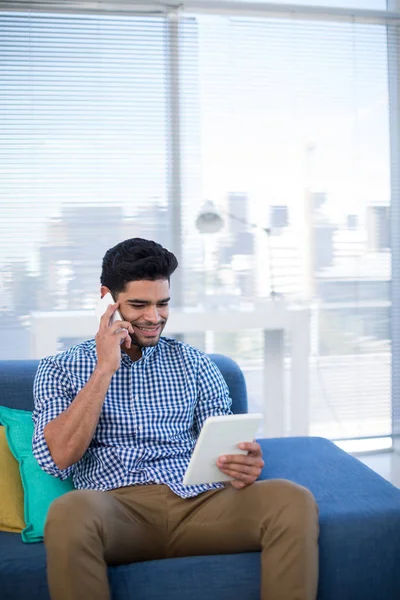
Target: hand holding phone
[[102, 306], [109, 338]]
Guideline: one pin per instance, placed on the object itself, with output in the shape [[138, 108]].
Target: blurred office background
[[125, 119]]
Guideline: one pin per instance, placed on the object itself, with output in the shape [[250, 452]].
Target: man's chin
[[145, 342], [148, 343]]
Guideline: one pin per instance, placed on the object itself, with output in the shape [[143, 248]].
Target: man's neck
[[134, 352]]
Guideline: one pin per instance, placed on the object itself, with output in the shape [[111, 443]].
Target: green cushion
[[40, 489]]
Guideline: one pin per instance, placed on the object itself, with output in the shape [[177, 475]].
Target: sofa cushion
[[11, 492], [22, 569], [40, 489], [219, 577], [23, 575]]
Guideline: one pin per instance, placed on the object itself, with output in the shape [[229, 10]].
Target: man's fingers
[[253, 447], [240, 459], [238, 485], [239, 476], [110, 310], [241, 468], [127, 342], [252, 472], [105, 320], [121, 325]]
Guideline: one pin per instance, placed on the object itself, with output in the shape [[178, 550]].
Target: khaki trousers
[[87, 530]]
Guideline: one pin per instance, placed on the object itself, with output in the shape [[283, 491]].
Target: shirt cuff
[[42, 453]]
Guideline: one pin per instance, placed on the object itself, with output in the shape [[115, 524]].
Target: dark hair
[[134, 260]]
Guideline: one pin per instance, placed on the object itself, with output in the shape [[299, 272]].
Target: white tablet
[[219, 435]]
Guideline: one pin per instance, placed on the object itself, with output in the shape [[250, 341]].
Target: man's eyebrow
[[141, 301]]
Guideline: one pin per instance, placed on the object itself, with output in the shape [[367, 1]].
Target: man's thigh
[[227, 520], [118, 520]]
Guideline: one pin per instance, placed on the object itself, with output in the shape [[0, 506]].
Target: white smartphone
[[101, 308], [219, 435]]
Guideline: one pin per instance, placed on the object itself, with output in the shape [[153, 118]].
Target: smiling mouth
[[148, 329]]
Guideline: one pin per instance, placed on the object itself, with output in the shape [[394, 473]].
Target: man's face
[[145, 305]]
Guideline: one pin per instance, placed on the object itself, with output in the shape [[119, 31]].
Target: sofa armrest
[[359, 516]]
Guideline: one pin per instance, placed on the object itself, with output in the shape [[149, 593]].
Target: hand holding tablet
[[219, 436]]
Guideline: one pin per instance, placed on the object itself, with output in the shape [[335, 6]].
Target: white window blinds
[[295, 134], [83, 110], [118, 126]]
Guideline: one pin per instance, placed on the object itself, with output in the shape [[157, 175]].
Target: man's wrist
[[102, 372]]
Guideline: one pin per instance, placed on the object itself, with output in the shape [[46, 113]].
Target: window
[[84, 152], [295, 114], [117, 126]]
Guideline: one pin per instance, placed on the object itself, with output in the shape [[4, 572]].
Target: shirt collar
[[146, 353]]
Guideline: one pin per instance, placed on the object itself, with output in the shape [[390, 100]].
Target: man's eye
[[160, 304]]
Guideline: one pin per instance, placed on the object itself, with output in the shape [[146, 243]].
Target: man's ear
[[104, 290]]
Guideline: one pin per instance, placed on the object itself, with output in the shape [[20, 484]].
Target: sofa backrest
[[235, 380], [16, 382]]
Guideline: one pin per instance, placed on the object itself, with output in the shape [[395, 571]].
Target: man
[[121, 414]]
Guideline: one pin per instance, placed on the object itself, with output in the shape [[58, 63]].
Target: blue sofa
[[359, 519]]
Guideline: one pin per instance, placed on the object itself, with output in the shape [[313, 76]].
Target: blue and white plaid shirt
[[151, 418]]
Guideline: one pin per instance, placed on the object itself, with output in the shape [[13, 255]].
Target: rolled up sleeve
[[213, 393], [52, 395]]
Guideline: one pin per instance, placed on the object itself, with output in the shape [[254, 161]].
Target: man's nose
[[151, 315]]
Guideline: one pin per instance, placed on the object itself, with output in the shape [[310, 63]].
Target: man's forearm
[[69, 435]]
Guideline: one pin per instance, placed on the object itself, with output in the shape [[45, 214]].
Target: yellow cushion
[[11, 492]]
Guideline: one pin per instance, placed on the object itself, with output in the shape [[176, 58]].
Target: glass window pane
[[83, 156], [294, 135]]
